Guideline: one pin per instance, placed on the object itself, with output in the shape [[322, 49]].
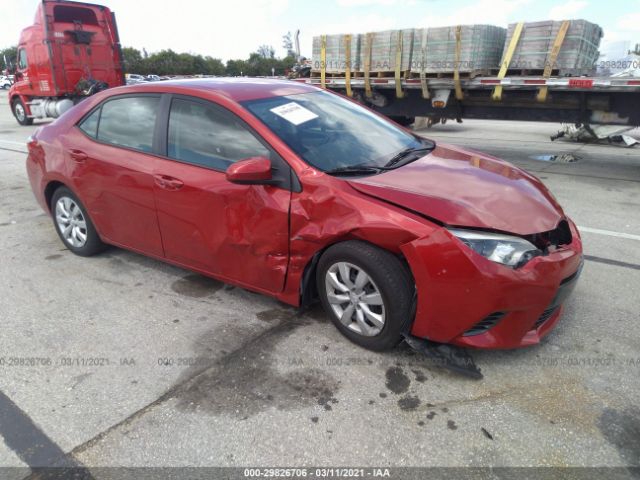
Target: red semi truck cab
[[71, 51]]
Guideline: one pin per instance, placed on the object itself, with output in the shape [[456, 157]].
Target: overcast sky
[[234, 28]]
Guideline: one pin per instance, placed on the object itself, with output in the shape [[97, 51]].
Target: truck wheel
[[367, 292], [73, 224], [20, 112]]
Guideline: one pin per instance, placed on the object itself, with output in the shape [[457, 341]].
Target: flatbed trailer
[[580, 100]]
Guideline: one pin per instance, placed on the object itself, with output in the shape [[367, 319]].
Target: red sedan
[[299, 193]]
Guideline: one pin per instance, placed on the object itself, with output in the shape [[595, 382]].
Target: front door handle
[[78, 155], [167, 182]]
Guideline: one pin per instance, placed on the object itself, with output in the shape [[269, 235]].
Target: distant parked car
[[153, 78], [134, 78], [5, 82]]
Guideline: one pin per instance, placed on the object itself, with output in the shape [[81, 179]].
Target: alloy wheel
[[71, 222], [355, 299]]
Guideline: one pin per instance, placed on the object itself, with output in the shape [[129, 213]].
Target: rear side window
[[129, 122], [209, 136], [90, 124]]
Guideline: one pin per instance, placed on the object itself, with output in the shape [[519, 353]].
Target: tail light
[[32, 140]]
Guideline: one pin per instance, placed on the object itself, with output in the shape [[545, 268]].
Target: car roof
[[237, 89]]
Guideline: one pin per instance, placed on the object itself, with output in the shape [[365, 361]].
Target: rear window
[[90, 124], [67, 14], [128, 122]]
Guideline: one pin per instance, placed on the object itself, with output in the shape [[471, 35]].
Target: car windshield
[[336, 135]]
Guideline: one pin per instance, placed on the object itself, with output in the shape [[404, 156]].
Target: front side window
[[129, 122], [330, 132], [22, 59], [206, 135]]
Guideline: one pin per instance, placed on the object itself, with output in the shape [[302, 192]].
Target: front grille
[[561, 235], [485, 324], [546, 315]]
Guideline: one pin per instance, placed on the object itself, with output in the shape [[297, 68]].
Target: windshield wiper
[[397, 158], [354, 170], [392, 164]]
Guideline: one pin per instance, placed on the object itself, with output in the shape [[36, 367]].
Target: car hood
[[464, 188]]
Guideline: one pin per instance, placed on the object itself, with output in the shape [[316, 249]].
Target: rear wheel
[[367, 292], [73, 224], [20, 112]]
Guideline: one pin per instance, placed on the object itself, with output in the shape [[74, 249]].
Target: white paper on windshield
[[294, 113]]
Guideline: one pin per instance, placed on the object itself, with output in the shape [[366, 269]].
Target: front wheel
[[20, 112], [368, 293]]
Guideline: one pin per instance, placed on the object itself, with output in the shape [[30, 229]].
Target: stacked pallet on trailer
[[567, 48], [471, 49], [479, 48], [388, 51], [468, 51], [340, 51]]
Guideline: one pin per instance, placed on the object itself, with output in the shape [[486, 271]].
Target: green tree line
[[168, 62]]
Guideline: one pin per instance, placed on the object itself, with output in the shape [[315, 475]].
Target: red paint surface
[[252, 169], [469, 189], [263, 238]]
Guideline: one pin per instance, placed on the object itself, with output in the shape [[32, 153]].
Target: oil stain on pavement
[[397, 381], [252, 379], [409, 402], [196, 286]]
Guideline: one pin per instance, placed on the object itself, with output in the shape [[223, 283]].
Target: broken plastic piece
[[449, 357]]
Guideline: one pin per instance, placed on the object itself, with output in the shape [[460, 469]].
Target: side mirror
[[250, 171]]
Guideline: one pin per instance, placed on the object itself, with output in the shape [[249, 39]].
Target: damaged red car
[[299, 193]]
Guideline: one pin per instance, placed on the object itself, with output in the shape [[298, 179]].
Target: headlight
[[504, 249]]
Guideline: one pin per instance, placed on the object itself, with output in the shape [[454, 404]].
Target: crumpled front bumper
[[457, 289]]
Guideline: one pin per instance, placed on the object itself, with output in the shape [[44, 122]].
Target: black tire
[[92, 244], [21, 118], [388, 275], [404, 121]]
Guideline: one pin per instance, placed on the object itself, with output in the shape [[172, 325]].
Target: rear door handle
[[167, 182], [78, 155]]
